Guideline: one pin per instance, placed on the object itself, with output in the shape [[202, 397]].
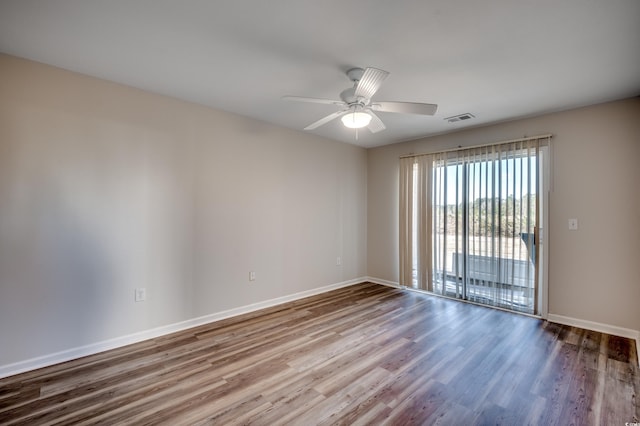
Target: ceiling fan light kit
[[356, 120], [357, 109]]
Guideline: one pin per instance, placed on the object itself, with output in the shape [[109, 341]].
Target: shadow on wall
[[60, 269], [79, 273]]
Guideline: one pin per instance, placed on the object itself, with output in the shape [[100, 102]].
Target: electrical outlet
[[573, 224], [141, 294], [338, 261], [252, 276]]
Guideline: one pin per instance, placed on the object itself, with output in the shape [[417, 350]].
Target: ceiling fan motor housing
[[349, 97]]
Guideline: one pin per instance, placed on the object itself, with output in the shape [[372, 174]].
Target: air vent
[[461, 117]]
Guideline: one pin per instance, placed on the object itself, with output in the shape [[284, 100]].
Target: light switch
[[573, 224], [140, 294]]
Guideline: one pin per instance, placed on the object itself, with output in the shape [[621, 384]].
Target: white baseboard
[[383, 282], [599, 327], [94, 348]]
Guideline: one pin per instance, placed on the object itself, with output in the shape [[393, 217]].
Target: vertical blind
[[468, 223]]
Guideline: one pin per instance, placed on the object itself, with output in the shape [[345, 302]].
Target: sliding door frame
[[541, 231], [544, 181]]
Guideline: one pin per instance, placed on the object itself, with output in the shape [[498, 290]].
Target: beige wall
[[104, 188], [594, 273]]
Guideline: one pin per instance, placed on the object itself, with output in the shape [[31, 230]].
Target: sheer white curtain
[[468, 223], [416, 222]]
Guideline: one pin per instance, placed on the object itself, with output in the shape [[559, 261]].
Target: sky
[[517, 177]]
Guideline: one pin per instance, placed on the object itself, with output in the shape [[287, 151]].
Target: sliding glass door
[[483, 211]]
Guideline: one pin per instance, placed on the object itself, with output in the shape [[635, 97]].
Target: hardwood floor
[[365, 354]]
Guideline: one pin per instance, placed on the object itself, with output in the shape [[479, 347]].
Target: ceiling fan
[[357, 108]]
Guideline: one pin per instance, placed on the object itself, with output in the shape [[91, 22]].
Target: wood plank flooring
[[365, 354]]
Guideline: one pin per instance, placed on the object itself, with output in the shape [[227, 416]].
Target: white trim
[[383, 282], [599, 327], [94, 348]]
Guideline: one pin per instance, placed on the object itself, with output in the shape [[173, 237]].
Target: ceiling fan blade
[[405, 107], [370, 82], [375, 125], [313, 100], [325, 120]]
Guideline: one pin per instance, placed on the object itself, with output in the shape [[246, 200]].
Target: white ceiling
[[496, 59]]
